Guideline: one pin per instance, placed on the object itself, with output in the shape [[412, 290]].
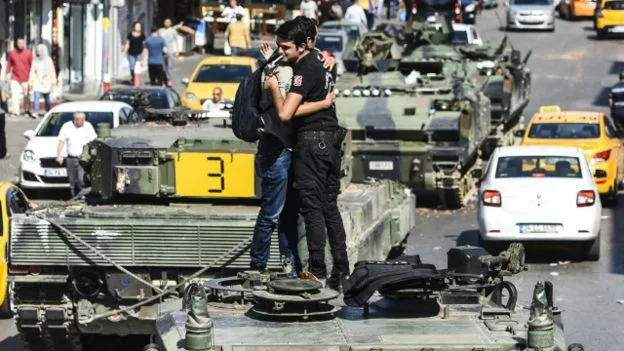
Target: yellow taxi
[[610, 18], [572, 9], [225, 72], [12, 200], [593, 132]]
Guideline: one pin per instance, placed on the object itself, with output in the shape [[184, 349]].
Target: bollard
[[199, 333], [541, 328]]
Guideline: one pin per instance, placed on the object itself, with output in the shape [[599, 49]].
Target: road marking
[[604, 217], [557, 77]]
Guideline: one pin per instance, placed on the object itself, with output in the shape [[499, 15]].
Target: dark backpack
[[246, 119]]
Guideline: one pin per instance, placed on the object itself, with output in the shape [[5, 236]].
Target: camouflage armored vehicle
[[427, 128], [395, 305], [170, 201]]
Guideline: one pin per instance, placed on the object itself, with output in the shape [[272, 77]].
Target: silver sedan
[[531, 14]]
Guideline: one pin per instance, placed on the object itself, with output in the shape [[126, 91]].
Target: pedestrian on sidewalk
[[309, 9], [42, 78], [169, 34], [230, 13], [238, 36], [156, 49], [4, 96], [18, 72], [134, 49], [73, 136]]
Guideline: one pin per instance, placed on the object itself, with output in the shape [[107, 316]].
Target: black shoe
[[334, 282]]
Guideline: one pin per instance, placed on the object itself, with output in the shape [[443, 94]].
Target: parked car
[[594, 132], [354, 30], [159, 97], [466, 34], [469, 11], [540, 194], [38, 166], [13, 201], [531, 14], [225, 72], [334, 42]]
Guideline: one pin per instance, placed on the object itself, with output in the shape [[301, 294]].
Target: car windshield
[[538, 166], [329, 43], [222, 73], [56, 121], [565, 131], [460, 37], [614, 5], [156, 99], [531, 2]]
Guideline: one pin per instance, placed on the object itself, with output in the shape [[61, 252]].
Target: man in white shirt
[[355, 13], [215, 103], [309, 9], [75, 135], [230, 12]]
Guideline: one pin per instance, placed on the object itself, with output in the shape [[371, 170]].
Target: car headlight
[[29, 156], [190, 97], [470, 8]]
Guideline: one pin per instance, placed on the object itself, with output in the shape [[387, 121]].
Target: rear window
[[222, 73], [56, 121], [460, 37], [614, 5], [329, 43], [538, 166], [564, 131], [531, 2]]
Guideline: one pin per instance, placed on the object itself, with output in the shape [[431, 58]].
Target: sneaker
[[335, 281]]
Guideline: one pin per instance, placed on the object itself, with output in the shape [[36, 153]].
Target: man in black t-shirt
[[316, 157]]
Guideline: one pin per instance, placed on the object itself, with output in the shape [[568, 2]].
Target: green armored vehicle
[[424, 119], [169, 202], [387, 305]]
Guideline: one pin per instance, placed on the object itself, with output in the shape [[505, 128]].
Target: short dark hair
[[239, 16], [293, 30], [309, 24], [154, 29]]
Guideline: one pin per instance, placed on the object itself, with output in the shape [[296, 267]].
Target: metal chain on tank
[[162, 293]]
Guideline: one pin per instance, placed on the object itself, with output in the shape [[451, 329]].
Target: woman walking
[[134, 49], [42, 78]]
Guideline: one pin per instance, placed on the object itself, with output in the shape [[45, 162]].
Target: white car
[[38, 166], [539, 194], [466, 34]]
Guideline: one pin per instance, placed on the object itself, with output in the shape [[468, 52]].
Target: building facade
[[73, 32]]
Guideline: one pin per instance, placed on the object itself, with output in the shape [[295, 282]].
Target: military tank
[[170, 202], [425, 112], [402, 304]]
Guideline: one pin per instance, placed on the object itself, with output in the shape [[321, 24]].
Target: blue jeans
[[132, 60], [278, 208], [37, 98]]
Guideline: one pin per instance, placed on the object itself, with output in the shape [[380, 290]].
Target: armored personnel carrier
[[427, 128], [402, 304], [170, 202]]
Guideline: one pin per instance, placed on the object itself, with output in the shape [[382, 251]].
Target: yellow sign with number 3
[[216, 175]]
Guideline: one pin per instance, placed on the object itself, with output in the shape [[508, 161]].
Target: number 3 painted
[[217, 175]]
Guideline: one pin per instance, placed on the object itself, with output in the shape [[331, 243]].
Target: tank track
[[50, 340], [58, 334]]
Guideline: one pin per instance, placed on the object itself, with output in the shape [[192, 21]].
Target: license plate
[[539, 228], [215, 175], [55, 172], [617, 29], [380, 165]]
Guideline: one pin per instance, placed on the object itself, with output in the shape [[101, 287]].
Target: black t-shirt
[[136, 44], [313, 82]]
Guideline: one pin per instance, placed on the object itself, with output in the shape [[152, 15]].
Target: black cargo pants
[[316, 167]]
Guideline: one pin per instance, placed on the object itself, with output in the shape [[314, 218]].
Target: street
[[570, 68]]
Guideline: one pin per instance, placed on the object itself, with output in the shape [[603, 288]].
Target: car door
[[615, 144], [14, 201]]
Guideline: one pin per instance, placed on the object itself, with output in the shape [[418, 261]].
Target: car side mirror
[[599, 173], [29, 134], [185, 81], [477, 173], [519, 133]]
